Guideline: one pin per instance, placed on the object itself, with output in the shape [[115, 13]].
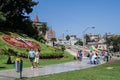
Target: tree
[[44, 28], [41, 38], [53, 41], [79, 42], [2, 17], [63, 48], [14, 13], [87, 38], [10, 52], [67, 37], [113, 41]]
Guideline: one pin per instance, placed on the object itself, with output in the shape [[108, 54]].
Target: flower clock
[[20, 42]]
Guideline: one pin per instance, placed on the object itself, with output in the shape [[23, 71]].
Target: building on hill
[[43, 29], [110, 35], [50, 34], [97, 41], [100, 42], [73, 39], [102, 45], [94, 37], [37, 24]]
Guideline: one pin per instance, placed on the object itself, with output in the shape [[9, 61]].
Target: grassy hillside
[[44, 48], [46, 52]]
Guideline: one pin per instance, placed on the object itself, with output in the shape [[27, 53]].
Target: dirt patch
[[114, 62]]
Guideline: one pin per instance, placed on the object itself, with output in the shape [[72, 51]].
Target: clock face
[[20, 42]]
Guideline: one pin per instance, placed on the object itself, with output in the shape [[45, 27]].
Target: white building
[[73, 39], [102, 45]]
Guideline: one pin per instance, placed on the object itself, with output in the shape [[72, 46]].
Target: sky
[[73, 17]]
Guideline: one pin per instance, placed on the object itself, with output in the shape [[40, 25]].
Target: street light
[[84, 39]]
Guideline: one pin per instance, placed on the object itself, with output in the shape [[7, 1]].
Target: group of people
[[95, 57], [34, 56]]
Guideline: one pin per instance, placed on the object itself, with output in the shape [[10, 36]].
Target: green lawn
[[109, 71], [45, 50], [26, 63]]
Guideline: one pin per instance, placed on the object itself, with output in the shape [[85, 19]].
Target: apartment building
[[50, 34]]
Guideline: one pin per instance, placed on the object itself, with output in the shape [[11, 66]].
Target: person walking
[[31, 56], [90, 57], [101, 56], [37, 56], [107, 56], [94, 58], [79, 55], [110, 54]]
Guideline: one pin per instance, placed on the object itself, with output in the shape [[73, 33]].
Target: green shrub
[[9, 52], [46, 51], [51, 55], [63, 48]]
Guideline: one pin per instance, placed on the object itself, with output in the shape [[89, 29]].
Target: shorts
[[36, 60], [31, 59]]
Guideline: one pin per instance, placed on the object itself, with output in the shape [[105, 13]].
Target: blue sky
[[74, 16]]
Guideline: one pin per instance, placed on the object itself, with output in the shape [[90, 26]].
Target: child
[[37, 55]]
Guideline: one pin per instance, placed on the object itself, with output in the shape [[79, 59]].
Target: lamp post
[[84, 38]]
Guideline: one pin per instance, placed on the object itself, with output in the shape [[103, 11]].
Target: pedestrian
[[97, 61], [79, 55], [31, 56], [101, 56], [37, 56], [90, 57], [110, 54], [94, 58], [106, 56]]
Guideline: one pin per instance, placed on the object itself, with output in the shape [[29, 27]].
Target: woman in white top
[[37, 55], [93, 57]]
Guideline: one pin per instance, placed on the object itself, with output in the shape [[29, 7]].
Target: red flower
[[20, 43]]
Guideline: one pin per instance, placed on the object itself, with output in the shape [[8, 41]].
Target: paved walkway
[[45, 70]]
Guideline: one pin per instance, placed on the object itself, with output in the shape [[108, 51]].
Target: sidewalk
[[71, 52], [45, 70]]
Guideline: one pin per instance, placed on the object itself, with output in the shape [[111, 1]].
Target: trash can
[[18, 65]]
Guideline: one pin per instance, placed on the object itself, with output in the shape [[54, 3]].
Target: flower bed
[[20, 42]]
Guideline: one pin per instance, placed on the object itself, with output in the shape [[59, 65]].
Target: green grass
[[26, 63], [6, 46], [95, 73], [67, 58], [46, 51]]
